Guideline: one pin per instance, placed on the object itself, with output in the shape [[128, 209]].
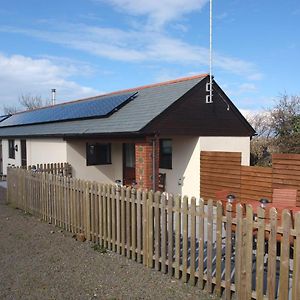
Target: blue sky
[[87, 47]]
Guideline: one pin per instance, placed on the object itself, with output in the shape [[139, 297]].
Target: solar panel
[[2, 118], [101, 106]]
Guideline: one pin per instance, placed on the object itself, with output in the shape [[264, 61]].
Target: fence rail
[[215, 247]]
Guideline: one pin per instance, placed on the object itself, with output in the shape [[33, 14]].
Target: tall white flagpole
[[210, 51]]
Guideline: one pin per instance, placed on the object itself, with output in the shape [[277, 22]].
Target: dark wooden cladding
[[223, 171], [190, 115]]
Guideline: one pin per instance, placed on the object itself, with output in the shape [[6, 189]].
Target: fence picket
[[193, 242], [100, 207], [150, 230], [156, 230], [170, 235], [219, 247], [113, 217], [271, 292], [184, 238], [139, 224], [201, 244], [118, 217], [145, 228], [228, 253], [260, 242], [108, 218], [238, 249], [128, 222], [163, 233], [133, 223], [87, 211], [249, 253], [123, 232], [177, 235], [285, 256], [296, 268]]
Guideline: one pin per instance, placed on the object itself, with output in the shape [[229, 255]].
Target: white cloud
[[159, 12], [25, 75], [137, 46]]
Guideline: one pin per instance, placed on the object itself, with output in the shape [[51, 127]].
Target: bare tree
[[31, 102], [27, 102], [278, 130], [9, 109], [285, 123], [261, 144]]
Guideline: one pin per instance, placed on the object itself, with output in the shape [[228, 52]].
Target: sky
[[88, 47]]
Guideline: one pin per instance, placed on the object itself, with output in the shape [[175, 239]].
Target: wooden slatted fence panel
[[286, 172], [256, 183], [219, 171]]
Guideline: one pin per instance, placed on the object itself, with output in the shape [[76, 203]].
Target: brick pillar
[[144, 164]]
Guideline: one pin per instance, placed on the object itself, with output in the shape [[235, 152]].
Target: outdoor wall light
[[230, 198], [16, 148], [263, 202], [118, 182]]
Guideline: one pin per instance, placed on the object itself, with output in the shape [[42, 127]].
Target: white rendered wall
[[9, 161], [184, 178], [228, 144], [41, 151], [76, 156]]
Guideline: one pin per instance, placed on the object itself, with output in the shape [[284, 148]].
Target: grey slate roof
[[149, 103]]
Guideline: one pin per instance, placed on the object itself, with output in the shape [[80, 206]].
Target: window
[[11, 149], [165, 154], [98, 154]]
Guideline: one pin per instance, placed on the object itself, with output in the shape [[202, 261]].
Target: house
[[134, 135]]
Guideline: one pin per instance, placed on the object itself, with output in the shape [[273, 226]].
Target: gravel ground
[[40, 261]]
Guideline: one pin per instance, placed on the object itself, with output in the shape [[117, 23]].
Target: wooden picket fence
[[207, 245], [64, 169]]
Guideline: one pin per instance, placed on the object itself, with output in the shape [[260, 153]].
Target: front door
[[23, 154], [128, 164]]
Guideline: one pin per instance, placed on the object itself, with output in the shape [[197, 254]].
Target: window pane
[[165, 161], [130, 155], [98, 154], [11, 149]]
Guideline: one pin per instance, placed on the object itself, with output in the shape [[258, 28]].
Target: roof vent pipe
[[53, 91]]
